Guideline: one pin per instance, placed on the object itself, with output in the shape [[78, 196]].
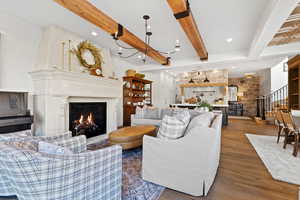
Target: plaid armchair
[[25, 135], [94, 175], [26, 140]]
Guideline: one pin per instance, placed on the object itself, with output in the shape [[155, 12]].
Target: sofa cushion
[[154, 122], [179, 110], [151, 113], [173, 127], [48, 148], [139, 113], [195, 113], [201, 120]]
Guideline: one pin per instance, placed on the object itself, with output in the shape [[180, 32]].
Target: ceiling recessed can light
[[229, 40], [94, 33]]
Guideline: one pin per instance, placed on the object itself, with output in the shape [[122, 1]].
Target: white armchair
[[188, 164]]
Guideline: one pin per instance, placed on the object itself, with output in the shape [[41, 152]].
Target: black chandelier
[[148, 34]]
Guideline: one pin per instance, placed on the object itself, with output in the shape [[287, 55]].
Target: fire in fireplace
[[85, 126], [87, 119]]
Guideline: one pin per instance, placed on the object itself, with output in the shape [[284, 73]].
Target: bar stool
[[290, 129]]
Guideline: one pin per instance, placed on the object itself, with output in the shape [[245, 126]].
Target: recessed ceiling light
[[229, 40], [233, 67], [94, 33]]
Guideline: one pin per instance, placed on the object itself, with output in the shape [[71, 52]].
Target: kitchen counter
[[195, 105]]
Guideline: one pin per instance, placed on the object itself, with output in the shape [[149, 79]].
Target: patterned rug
[[281, 164], [134, 187]]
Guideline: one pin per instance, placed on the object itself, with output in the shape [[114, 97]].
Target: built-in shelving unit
[[294, 72], [136, 92]]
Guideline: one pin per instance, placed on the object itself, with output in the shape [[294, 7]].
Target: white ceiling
[[217, 21]]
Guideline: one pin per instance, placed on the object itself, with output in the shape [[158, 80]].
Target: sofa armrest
[[199, 146], [62, 136], [188, 164], [76, 144]]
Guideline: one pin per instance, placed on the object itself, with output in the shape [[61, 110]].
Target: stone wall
[[250, 90]]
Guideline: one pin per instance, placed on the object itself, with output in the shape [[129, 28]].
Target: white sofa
[[188, 164], [156, 121]]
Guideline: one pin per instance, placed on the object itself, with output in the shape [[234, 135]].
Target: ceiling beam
[[89, 12], [283, 50], [185, 17], [275, 15]]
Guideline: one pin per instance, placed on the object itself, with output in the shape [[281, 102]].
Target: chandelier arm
[[162, 52], [130, 48], [129, 55]]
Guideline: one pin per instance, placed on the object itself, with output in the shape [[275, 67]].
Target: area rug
[[281, 164], [134, 187]]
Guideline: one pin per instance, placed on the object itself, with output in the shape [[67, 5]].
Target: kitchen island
[[220, 107]]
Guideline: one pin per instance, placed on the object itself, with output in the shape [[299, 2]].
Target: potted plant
[[204, 106]]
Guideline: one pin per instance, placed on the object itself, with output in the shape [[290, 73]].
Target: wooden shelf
[[135, 97], [129, 109], [136, 90], [135, 79], [294, 83]]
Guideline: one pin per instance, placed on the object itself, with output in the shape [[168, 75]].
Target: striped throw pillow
[[173, 127]]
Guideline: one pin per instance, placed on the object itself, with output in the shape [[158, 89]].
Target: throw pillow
[[151, 113], [203, 120], [166, 111], [48, 148], [173, 127], [184, 116]]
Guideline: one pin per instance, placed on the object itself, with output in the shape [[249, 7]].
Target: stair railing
[[277, 100]]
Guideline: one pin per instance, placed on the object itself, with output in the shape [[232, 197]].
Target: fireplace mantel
[[55, 89], [62, 83]]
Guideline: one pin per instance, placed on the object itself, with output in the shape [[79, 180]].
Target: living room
[[159, 100]]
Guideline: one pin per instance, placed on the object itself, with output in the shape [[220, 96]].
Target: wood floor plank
[[242, 175]]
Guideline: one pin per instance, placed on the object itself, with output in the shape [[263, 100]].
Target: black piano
[[14, 113]]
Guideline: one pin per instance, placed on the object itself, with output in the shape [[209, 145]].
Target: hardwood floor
[[242, 175]]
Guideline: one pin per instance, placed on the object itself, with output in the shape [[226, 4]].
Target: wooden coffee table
[[131, 137]]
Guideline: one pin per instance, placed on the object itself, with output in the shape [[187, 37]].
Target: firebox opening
[[87, 119]]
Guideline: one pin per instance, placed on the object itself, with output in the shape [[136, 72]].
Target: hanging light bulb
[[120, 50], [149, 28], [177, 46]]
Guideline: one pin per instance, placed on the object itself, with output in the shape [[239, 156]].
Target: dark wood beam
[[185, 17], [89, 12]]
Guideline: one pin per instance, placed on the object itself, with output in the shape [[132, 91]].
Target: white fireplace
[[55, 89]]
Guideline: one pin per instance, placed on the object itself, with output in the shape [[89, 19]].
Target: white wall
[[163, 88], [121, 66], [19, 48], [279, 78], [22, 52], [264, 82]]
